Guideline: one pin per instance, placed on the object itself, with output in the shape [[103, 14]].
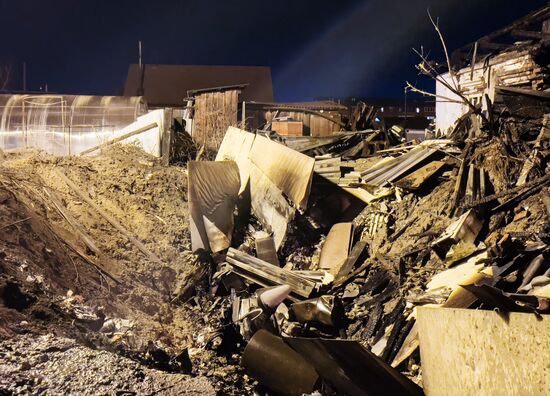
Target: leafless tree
[[429, 68], [5, 75]]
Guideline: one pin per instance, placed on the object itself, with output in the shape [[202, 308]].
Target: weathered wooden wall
[[214, 113], [314, 125], [509, 69]]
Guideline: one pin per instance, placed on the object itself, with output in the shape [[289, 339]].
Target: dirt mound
[[113, 295]]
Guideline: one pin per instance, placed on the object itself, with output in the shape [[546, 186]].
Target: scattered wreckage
[[414, 237]]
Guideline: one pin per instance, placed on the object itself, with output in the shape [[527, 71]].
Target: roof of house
[[520, 34], [325, 105], [168, 85]]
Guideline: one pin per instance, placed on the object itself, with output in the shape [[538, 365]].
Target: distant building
[[414, 115], [403, 109], [168, 85], [317, 118]]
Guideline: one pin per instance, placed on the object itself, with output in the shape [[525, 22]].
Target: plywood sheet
[[474, 352], [335, 250], [419, 177], [236, 146], [269, 205], [288, 128], [289, 170]]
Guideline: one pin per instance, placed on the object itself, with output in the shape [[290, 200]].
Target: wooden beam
[[493, 46], [529, 34], [166, 137], [120, 138]]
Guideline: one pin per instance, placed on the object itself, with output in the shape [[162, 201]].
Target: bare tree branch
[[5, 73], [451, 72], [413, 88], [427, 69]]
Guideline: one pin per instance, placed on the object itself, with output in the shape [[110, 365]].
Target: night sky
[[316, 48]]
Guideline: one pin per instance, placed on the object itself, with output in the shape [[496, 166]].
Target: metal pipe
[[277, 366]]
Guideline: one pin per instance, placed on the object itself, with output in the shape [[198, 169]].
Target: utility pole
[[405, 109], [24, 76], [139, 49], [140, 66]]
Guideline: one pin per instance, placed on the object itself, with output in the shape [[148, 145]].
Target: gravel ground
[[50, 365]]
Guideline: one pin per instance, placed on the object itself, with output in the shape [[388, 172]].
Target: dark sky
[[316, 48]]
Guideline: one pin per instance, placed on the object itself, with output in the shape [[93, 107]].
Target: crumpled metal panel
[[327, 310], [273, 171], [351, 369], [213, 191], [236, 146], [269, 205], [277, 366]]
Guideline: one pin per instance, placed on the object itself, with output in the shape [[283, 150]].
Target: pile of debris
[[336, 267], [344, 262]]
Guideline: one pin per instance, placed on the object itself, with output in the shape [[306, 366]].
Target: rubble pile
[[48, 366], [348, 262], [270, 273], [458, 222]]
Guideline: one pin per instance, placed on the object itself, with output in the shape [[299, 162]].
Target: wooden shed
[[215, 110]]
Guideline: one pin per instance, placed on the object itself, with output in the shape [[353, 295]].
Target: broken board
[[416, 179], [474, 352], [266, 274], [336, 248]]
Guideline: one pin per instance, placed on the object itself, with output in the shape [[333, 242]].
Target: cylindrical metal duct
[[277, 366]]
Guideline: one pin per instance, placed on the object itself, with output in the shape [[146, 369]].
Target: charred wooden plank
[[399, 340], [373, 321], [394, 334], [357, 253], [266, 274], [389, 318]]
